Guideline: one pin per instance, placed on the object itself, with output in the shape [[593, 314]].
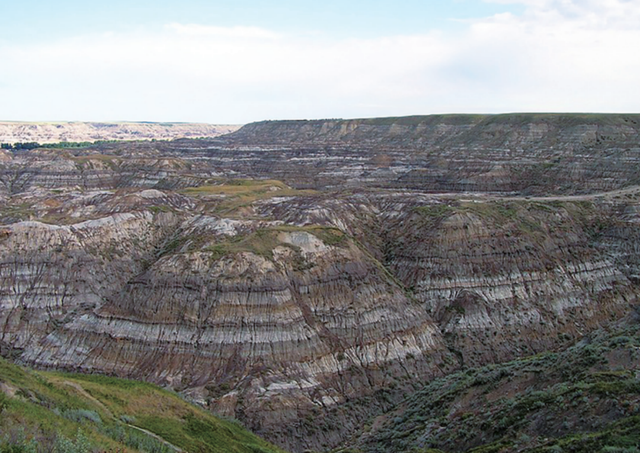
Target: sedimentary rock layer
[[524, 153]]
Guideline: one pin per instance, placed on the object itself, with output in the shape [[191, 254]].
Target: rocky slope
[[251, 319], [303, 307], [510, 276], [583, 399], [55, 132]]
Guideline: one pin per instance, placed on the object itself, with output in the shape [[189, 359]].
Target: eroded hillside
[[305, 276]]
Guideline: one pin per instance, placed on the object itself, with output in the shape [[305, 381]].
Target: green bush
[[82, 415]]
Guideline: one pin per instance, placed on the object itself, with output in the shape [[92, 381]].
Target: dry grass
[[237, 194]]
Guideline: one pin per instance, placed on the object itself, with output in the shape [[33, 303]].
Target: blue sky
[[241, 61], [38, 19]]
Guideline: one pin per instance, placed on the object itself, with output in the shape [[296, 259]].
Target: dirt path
[[635, 190], [88, 396], [482, 196], [155, 436], [99, 403]]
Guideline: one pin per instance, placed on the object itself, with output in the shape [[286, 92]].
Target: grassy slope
[[43, 411], [584, 399]]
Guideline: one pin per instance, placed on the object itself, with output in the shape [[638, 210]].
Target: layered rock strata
[[507, 279], [530, 154], [250, 333]]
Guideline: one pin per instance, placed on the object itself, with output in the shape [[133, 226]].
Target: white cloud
[[592, 13], [226, 32], [559, 55], [571, 55]]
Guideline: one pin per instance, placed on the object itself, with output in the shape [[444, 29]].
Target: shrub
[[82, 415]]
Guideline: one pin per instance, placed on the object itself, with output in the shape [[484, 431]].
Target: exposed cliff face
[[304, 312], [517, 276], [517, 154], [277, 321], [524, 153], [51, 274], [510, 276], [90, 132], [524, 131]]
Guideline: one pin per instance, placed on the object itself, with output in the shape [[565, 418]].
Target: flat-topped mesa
[[522, 153], [515, 131], [527, 154]]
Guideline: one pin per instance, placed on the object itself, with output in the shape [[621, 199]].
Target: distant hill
[[15, 132]]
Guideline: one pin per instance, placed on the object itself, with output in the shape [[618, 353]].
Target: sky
[[248, 60]]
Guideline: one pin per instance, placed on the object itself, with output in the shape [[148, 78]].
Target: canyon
[[306, 276]]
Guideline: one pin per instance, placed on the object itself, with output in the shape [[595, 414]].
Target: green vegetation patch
[[234, 187], [435, 211], [620, 437], [501, 212], [262, 242], [69, 413], [17, 213], [87, 162], [584, 399], [426, 120]]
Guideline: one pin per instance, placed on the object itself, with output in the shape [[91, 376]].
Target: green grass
[[500, 212], [523, 217], [49, 409], [434, 211], [18, 212], [236, 187], [87, 162], [157, 209], [620, 437], [454, 119], [263, 241]]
